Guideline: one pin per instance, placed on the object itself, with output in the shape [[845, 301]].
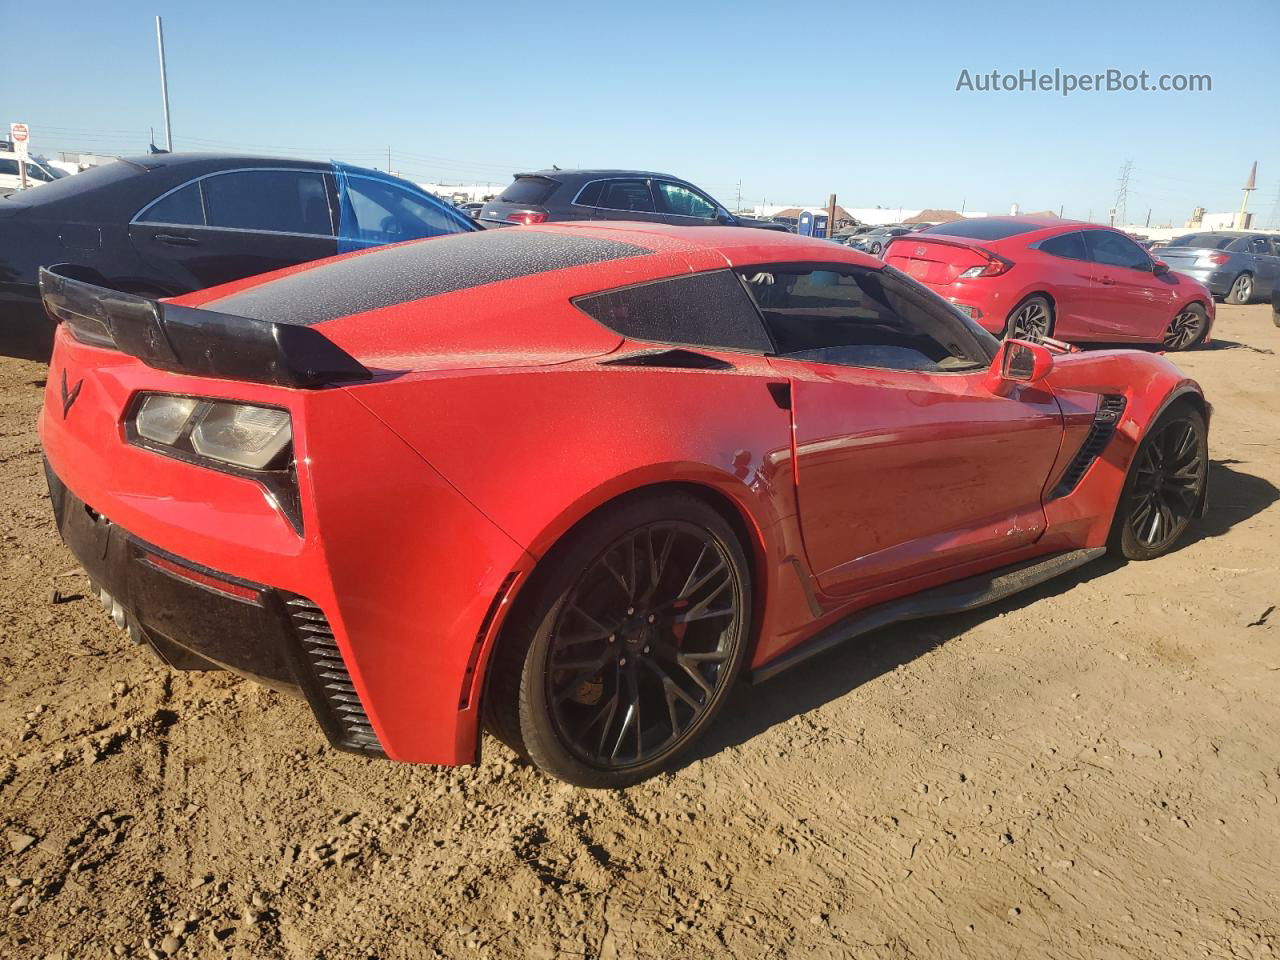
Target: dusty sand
[[1089, 770]]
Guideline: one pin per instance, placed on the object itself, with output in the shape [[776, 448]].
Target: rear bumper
[[200, 619], [1218, 281]]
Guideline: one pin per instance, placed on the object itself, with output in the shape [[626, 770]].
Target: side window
[[631, 195], [280, 201], [38, 173], [1260, 246], [1069, 245], [683, 202], [8, 166], [864, 318], [589, 196], [182, 207], [386, 213], [1115, 250], [703, 310]]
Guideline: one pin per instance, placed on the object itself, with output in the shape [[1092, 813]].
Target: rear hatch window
[[1204, 241], [983, 228], [527, 191], [931, 262]]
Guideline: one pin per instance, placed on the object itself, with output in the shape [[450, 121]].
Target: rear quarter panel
[[537, 450]]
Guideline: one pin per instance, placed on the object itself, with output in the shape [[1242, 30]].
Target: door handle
[[177, 240]]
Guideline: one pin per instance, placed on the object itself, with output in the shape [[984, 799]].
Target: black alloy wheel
[[632, 641], [1031, 320], [1165, 485], [1187, 328]]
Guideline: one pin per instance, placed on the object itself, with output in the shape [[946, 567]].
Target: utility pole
[[739, 206], [1148, 216], [831, 215], [1122, 195], [388, 158], [164, 87]]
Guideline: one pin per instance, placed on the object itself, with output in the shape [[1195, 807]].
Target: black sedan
[[168, 224], [550, 195]]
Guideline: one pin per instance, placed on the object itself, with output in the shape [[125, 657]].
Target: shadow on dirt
[[1235, 496]]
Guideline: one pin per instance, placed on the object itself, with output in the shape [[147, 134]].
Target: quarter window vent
[[349, 727], [1105, 419]]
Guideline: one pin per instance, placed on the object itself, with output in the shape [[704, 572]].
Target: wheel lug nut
[[613, 638], [622, 661], [630, 611], [651, 618], [646, 649]]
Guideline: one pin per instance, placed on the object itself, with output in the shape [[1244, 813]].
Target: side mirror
[[725, 219], [1018, 361], [1159, 268]]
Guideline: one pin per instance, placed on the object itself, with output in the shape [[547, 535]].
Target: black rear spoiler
[[191, 340]]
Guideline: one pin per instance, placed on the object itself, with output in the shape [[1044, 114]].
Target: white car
[[39, 171]]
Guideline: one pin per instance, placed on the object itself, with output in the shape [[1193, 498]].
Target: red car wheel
[[624, 651], [1165, 485]]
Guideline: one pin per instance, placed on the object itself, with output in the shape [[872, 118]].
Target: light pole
[[164, 87]]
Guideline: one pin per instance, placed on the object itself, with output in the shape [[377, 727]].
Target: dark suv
[[609, 195]]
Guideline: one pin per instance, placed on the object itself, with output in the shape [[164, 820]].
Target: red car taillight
[[992, 268], [526, 218], [1219, 258]]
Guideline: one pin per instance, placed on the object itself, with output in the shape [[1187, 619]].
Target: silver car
[[1236, 265]]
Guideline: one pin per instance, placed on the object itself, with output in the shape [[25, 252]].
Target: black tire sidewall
[[1231, 293], [538, 735], [1048, 306], [1204, 329], [1122, 540]]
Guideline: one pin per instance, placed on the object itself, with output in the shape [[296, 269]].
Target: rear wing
[[190, 340]]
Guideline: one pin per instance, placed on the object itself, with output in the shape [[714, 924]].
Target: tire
[[875, 250], [1241, 289], [1164, 487], [567, 704], [1187, 329], [1032, 319]]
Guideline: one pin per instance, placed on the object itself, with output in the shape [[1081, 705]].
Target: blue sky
[[793, 100]]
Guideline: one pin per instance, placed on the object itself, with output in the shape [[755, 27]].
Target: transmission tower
[[1122, 194]]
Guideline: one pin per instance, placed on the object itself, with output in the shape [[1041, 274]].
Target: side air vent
[[332, 694], [1104, 427]]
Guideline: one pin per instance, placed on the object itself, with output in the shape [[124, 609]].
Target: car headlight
[[240, 434]]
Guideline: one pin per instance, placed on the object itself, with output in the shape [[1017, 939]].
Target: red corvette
[[574, 479], [1034, 277]]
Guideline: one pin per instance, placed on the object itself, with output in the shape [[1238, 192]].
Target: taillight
[[992, 268], [525, 219], [1219, 258]]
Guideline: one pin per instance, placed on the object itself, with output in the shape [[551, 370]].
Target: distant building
[[464, 192]]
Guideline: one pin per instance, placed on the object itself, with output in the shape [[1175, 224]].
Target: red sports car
[[1034, 277], [574, 479]]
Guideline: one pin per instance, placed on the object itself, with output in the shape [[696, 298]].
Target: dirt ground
[[1089, 770]]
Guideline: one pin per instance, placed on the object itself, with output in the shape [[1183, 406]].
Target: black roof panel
[[412, 271]]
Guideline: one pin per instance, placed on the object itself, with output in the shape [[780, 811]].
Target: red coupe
[[573, 479], [1035, 277]]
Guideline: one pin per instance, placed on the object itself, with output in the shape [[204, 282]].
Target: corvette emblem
[[919, 251], [69, 396]]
